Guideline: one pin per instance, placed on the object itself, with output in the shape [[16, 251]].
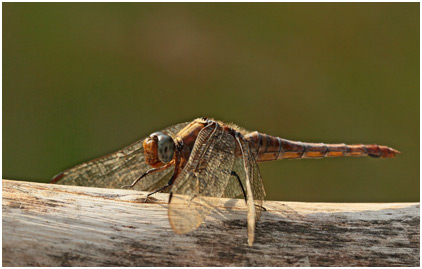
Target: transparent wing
[[202, 182], [119, 168], [254, 188], [258, 191], [233, 188]]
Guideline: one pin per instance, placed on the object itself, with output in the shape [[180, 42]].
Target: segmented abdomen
[[270, 148]]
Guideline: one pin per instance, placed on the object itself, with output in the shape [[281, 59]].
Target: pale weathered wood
[[53, 225]]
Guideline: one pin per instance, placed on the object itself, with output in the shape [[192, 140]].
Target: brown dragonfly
[[200, 161]]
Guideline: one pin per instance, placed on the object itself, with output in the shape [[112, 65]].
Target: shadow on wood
[[54, 225]]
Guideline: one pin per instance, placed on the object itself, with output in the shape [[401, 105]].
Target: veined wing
[[202, 182], [119, 168], [254, 188], [258, 190], [233, 188]]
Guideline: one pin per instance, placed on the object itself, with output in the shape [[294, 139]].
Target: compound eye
[[165, 147]]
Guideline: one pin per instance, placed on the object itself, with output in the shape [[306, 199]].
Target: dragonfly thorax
[[158, 149]]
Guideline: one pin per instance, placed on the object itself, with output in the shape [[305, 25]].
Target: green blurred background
[[81, 80]]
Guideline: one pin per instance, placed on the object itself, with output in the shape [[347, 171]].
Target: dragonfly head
[[158, 149]]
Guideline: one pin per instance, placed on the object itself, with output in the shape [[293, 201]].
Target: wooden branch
[[54, 225]]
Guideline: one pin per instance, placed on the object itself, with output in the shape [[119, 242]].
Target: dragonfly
[[198, 163]]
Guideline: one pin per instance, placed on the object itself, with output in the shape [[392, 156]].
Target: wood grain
[[54, 225]]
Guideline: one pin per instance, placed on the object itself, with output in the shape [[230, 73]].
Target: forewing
[[119, 168], [202, 182]]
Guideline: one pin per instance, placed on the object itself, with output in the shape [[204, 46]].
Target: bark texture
[[54, 225]]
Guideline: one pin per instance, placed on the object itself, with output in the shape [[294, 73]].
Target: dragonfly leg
[[158, 190], [262, 208], [171, 181], [233, 173], [144, 175]]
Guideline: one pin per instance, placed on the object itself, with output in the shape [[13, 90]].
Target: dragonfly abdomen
[[268, 148]]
